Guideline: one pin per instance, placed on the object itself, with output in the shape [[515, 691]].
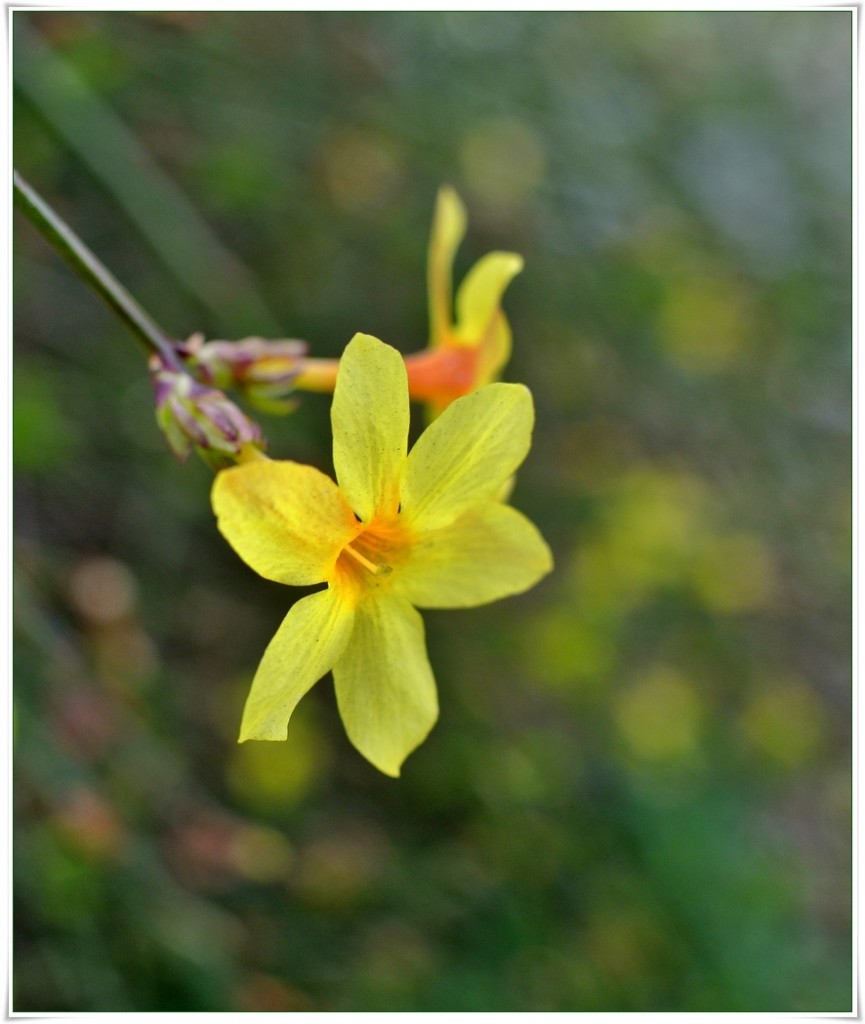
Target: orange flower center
[[371, 557]]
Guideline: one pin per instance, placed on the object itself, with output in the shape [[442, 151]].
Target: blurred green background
[[638, 794]]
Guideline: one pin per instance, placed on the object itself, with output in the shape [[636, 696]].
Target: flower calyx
[[192, 415]]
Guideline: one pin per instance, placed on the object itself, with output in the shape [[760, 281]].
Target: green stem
[[92, 271]]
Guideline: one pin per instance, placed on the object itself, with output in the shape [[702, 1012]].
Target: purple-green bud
[[193, 415], [262, 370]]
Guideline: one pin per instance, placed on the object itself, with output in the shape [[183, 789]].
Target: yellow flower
[[402, 530], [467, 352]]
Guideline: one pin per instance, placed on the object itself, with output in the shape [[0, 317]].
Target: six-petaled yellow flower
[[469, 350], [400, 531]]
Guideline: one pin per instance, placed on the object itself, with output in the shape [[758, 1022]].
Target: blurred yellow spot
[[342, 867], [503, 162], [702, 325], [659, 716], [271, 776], [616, 943], [125, 655], [518, 775], [785, 722], [656, 519], [735, 573], [262, 993], [652, 524], [260, 853], [565, 650], [103, 590], [90, 824], [361, 170], [607, 579], [396, 956]]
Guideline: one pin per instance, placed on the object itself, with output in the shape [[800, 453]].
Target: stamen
[[376, 570]]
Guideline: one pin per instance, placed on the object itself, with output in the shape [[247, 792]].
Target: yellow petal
[[370, 416], [467, 454], [480, 294], [287, 521], [491, 552], [448, 230], [494, 350], [308, 643], [384, 684]]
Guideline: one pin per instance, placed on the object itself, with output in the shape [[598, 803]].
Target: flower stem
[[316, 375], [93, 272]]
